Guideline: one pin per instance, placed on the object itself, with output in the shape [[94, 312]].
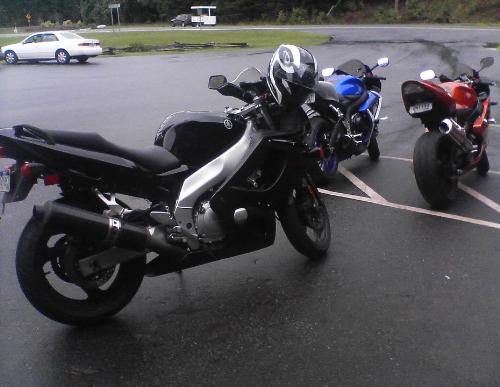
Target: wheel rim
[[10, 57], [62, 57], [57, 270], [312, 213]]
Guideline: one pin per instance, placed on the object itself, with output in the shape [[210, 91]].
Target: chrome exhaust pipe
[[112, 231], [452, 129]]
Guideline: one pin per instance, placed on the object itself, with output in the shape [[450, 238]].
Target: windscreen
[[250, 74], [462, 69], [353, 67]]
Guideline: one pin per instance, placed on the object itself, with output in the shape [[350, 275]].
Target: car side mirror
[[427, 75], [486, 62], [215, 82], [327, 72], [383, 62]]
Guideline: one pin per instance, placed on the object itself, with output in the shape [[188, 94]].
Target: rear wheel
[[434, 169], [62, 57], [10, 57], [48, 272], [305, 221], [484, 165], [83, 59]]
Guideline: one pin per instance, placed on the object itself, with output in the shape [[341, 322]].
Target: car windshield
[[70, 35], [250, 74]]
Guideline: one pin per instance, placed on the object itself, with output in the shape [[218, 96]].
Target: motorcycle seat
[[154, 158]]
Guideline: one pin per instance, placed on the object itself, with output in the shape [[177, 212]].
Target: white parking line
[[483, 199], [410, 161], [396, 158], [413, 209], [472, 192], [361, 185]]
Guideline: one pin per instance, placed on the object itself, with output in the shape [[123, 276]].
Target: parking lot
[[406, 296]]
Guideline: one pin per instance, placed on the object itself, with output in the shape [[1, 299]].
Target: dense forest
[[88, 12]]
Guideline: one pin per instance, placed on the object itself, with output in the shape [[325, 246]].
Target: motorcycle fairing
[[373, 97], [234, 164]]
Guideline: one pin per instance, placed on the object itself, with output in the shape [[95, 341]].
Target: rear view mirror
[[427, 75], [327, 72], [383, 62], [216, 82], [486, 62]]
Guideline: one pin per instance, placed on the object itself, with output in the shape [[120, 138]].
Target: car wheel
[[83, 59], [10, 57], [62, 57]]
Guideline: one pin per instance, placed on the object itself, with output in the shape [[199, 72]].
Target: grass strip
[[254, 39]]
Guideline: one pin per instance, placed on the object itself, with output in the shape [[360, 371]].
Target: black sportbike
[[215, 184]]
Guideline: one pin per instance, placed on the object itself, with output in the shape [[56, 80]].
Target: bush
[[67, 23], [282, 17], [298, 16], [322, 18], [47, 24]]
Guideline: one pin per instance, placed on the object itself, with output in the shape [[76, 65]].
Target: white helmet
[[293, 73]]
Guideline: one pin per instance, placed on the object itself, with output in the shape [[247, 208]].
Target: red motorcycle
[[456, 115]]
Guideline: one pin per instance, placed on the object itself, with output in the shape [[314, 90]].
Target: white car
[[59, 45]]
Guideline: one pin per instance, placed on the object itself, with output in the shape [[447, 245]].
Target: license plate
[[4, 181], [420, 107]]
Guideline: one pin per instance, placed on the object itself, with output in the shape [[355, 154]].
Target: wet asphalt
[[402, 298]]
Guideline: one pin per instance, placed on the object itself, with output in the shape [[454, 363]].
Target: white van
[[205, 15]]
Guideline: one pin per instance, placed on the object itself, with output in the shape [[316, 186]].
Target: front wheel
[[434, 169], [326, 168], [373, 150], [305, 221], [483, 166], [47, 270]]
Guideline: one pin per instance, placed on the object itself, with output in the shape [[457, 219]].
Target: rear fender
[[21, 183], [425, 91]]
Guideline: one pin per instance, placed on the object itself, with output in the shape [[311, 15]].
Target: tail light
[[3, 153], [26, 170], [51, 179], [89, 44]]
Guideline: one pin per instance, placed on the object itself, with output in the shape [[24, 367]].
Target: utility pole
[[396, 6]]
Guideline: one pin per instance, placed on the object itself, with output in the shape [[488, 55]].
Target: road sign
[[111, 6]]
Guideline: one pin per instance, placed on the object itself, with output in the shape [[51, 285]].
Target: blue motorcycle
[[344, 115]]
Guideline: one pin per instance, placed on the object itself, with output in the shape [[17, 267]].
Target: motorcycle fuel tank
[[464, 96], [196, 138], [349, 87]]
